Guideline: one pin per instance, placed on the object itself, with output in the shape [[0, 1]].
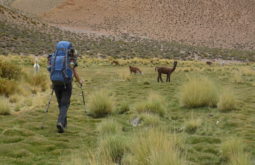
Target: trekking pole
[[47, 108], [82, 93], [83, 99]]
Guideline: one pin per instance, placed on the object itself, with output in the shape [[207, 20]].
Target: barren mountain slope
[[35, 7], [213, 23]]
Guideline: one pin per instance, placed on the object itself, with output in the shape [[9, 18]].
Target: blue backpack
[[60, 71]]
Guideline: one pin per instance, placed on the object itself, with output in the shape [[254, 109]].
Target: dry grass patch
[[8, 87], [155, 147], [247, 71], [233, 152], [9, 70], [124, 75], [109, 126], [101, 103], [237, 77], [124, 107], [198, 92], [113, 147], [4, 106], [38, 80], [15, 98], [192, 125], [150, 119], [153, 104], [227, 101], [86, 159]]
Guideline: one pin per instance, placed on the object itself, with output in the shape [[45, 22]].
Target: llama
[[115, 62], [36, 66], [208, 62], [165, 70], [134, 70]]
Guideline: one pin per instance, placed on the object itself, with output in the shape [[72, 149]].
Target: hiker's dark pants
[[63, 94]]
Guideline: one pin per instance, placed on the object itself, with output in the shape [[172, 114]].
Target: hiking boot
[[65, 123], [60, 128]]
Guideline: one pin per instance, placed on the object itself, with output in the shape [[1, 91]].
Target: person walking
[[62, 65]]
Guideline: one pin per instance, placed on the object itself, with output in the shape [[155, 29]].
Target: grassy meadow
[[204, 116]]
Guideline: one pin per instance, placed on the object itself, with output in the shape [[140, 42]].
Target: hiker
[[62, 65]]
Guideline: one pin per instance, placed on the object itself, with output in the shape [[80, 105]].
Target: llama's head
[[175, 63]]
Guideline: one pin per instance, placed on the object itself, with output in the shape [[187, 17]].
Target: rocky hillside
[[212, 23]]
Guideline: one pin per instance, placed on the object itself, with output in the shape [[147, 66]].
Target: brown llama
[[135, 70], [208, 62], [165, 70], [115, 62]]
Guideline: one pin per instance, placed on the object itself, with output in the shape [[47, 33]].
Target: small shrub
[[192, 125], [198, 92], [114, 147], [9, 70], [227, 101], [109, 126], [100, 104], [4, 106], [154, 104], [8, 87]]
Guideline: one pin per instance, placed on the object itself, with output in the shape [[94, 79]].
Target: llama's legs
[[168, 78], [160, 77]]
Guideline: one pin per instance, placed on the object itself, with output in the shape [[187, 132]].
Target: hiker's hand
[[81, 82]]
